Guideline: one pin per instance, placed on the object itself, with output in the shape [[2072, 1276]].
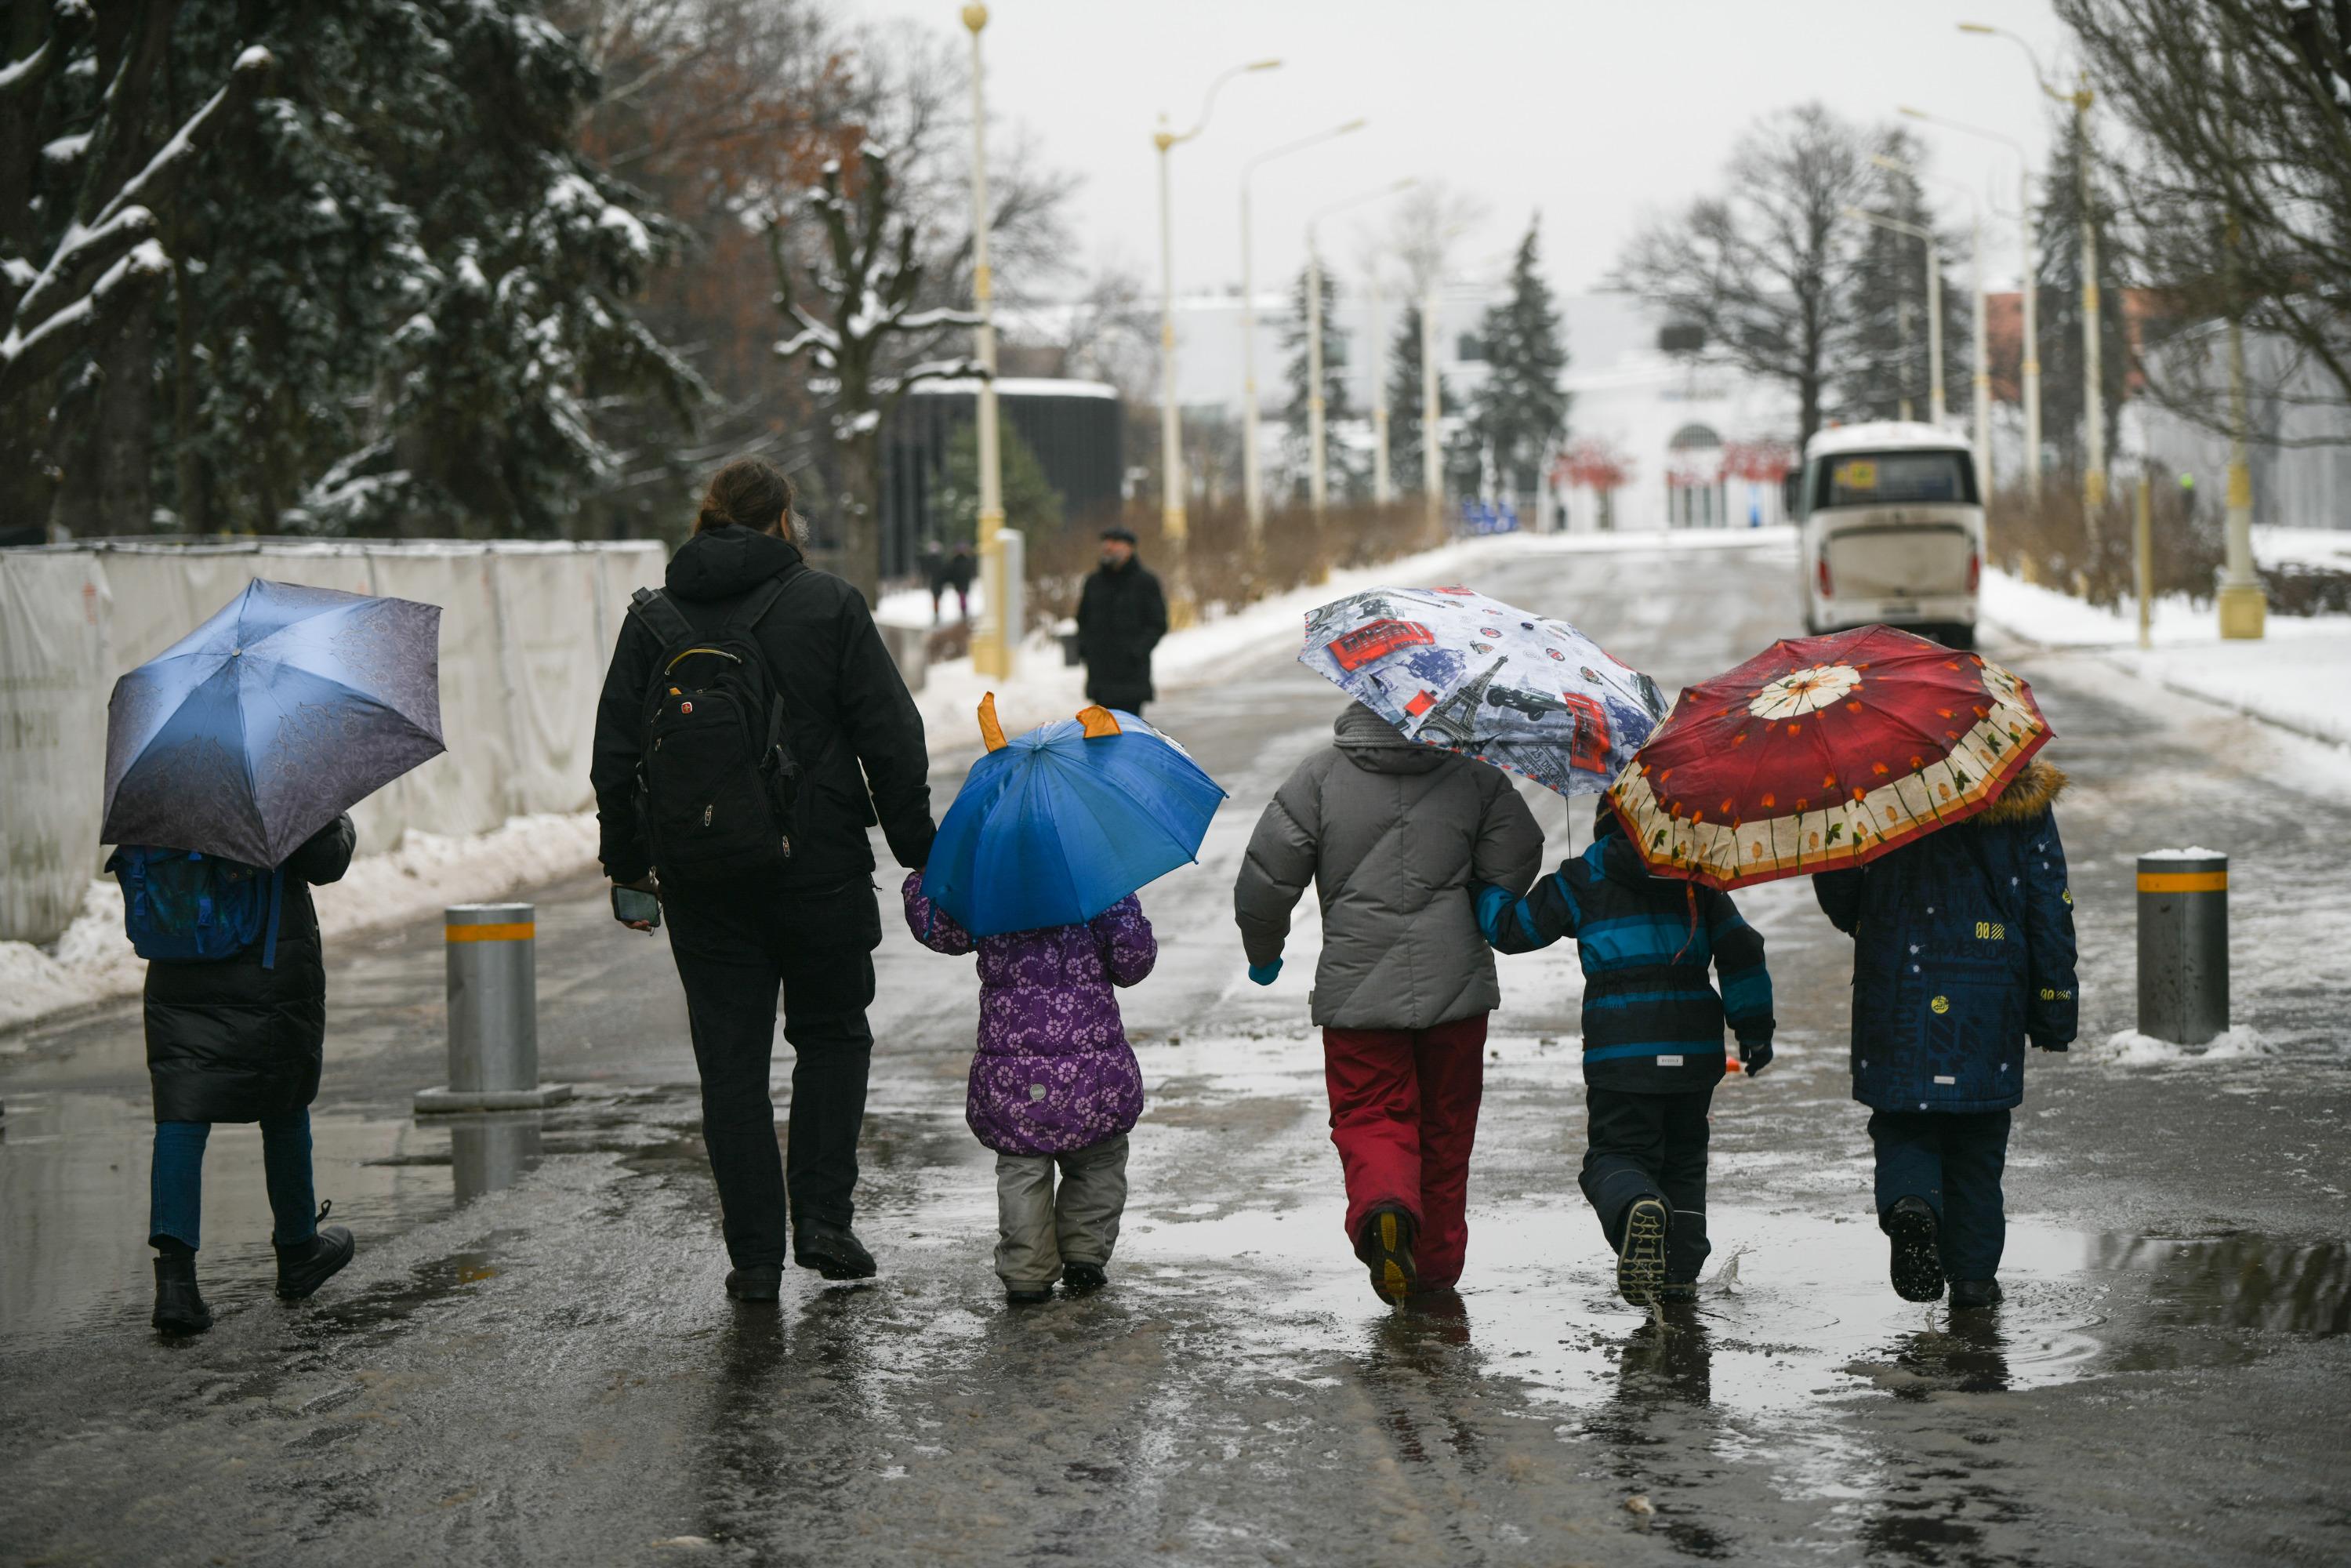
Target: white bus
[[1892, 529]]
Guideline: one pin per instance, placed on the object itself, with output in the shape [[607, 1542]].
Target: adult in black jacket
[[233, 1040], [1122, 615], [809, 928]]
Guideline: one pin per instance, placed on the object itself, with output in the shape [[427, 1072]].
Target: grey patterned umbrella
[[261, 725]]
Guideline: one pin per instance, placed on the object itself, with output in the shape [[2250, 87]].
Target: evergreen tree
[[1519, 412], [1405, 394], [2059, 242], [1031, 505], [1883, 354], [1340, 467], [414, 293]]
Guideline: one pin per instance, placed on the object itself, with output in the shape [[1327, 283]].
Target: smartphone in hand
[[630, 906]]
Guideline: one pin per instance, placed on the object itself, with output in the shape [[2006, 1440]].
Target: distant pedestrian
[[1122, 615], [962, 567], [935, 574], [1652, 1040], [737, 788], [237, 1037], [1054, 1087], [1963, 952], [1392, 834]]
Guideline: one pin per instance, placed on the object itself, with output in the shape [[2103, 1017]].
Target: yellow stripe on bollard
[[2179, 881], [521, 931]]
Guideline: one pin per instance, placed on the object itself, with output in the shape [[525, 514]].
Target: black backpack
[[716, 783]]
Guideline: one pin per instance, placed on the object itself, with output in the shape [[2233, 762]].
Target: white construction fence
[[527, 630]]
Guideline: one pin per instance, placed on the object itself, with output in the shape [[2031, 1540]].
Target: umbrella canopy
[[1823, 752], [264, 724], [1453, 669], [1054, 826]]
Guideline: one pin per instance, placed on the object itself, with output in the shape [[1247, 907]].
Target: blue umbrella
[[1054, 826], [1453, 669], [261, 725]]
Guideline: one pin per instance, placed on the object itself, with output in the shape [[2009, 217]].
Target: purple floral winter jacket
[[1054, 1071]]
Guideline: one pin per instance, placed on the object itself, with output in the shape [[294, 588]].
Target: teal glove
[[1264, 973], [1490, 902]]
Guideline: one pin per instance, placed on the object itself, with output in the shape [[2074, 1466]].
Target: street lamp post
[[1431, 462], [992, 651], [1982, 383], [2027, 289], [1174, 525], [1252, 471], [1934, 302], [1383, 483], [2093, 411]]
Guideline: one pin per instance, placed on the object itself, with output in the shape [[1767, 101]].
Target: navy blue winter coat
[[1963, 949], [1651, 1023]]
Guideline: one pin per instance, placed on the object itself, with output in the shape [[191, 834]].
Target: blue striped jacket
[[1651, 1023]]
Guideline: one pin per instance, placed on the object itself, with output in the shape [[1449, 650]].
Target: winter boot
[[1083, 1279], [1678, 1291], [1386, 1247], [832, 1250], [1641, 1261], [1916, 1266], [1027, 1295], [306, 1265], [179, 1308], [763, 1282], [1973, 1295]]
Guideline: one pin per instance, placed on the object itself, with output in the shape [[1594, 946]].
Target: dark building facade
[[1073, 427]]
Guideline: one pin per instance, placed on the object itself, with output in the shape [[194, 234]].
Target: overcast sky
[[1599, 112]]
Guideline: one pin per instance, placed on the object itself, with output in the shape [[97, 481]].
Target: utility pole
[[2093, 401], [992, 651]]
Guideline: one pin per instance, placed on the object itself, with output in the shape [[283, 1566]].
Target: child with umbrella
[[1036, 868], [1908, 778]]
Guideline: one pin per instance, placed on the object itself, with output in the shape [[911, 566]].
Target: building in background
[[1073, 427]]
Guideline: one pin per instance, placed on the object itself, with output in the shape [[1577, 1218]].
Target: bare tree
[[1427, 226], [869, 273], [2238, 191], [1758, 268], [80, 182]]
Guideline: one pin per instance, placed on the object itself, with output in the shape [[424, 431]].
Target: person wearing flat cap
[[1122, 615]]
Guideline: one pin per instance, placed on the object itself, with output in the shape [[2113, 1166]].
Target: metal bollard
[[493, 1013], [2183, 944]]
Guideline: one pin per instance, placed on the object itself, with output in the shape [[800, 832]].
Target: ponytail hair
[[749, 492]]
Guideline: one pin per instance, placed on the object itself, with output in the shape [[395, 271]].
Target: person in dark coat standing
[[1962, 953], [961, 568], [1652, 1040], [808, 928], [935, 574], [233, 1040], [1122, 615]]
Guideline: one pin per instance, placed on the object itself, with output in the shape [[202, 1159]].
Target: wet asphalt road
[[532, 1359]]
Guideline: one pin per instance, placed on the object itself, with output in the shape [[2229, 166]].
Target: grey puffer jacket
[[1392, 834]]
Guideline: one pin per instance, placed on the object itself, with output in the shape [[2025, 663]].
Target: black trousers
[[1953, 1160], [734, 950], [1650, 1146]]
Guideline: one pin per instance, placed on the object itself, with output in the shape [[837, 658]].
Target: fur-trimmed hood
[[2029, 795]]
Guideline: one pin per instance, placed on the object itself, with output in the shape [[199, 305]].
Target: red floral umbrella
[[1823, 752]]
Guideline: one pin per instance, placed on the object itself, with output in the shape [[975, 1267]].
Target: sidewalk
[[2297, 677]]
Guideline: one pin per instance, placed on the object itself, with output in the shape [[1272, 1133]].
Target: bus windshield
[[1894, 479]]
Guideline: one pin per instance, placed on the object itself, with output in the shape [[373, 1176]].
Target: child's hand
[[1264, 973], [1754, 1058]]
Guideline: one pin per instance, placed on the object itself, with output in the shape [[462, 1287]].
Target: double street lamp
[[1934, 300], [1253, 477], [1173, 523], [1983, 399]]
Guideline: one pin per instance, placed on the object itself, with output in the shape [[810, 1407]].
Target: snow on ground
[[2128, 1047], [2297, 676], [2275, 546], [427, 872]]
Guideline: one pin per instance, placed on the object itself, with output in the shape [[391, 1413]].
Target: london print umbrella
[[261, 725], [1451, 668], [1822, 752], [1054, 826]]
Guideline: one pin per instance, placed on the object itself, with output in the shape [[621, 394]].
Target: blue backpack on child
[[185, 906]]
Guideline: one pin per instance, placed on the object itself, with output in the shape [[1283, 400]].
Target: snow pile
[[2190, 853], [426, 873], [2128, 1047], [2297, 676]]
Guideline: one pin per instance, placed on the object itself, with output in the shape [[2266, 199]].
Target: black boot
[[1384, 1245], [759, 1283], [1083, 1279], [179, 1307], [306, 1265], [832, 1250], [1641, 1261], [1972, 1295], [1917, 1265]]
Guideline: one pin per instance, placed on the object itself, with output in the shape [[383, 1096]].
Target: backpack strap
[[277, 903], [761, 599], [662, 619]]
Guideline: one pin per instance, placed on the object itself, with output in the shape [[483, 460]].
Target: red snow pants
[[1404, 1111]]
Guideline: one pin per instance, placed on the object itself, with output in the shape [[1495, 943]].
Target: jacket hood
[[1374, 744], [724, 563], [2029, 795], [1620, 859]]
